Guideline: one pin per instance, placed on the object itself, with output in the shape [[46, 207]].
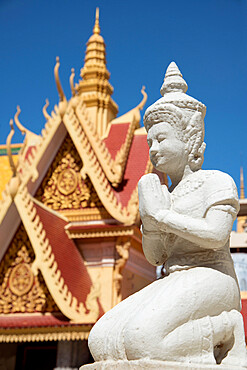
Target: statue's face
[[167, 152]]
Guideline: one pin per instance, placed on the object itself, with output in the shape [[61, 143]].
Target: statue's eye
[[161, 138]]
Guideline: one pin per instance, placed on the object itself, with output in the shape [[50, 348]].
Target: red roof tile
[[32, 321], [67, 256], [116, 138]]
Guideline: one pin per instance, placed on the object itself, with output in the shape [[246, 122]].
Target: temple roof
[[113, 163], [105, 156]]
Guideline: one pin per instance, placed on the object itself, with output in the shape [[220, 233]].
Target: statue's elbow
[[155, 257], [217, 240]]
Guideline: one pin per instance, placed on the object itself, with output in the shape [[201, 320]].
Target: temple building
[[70, 243]]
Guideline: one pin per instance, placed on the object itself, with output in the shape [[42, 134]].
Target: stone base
[[152, 364]]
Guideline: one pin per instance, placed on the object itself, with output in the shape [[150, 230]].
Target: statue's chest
[[190, 198]]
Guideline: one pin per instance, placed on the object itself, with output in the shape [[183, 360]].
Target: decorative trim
[[44, 334], [46, 263], [86, 214], [87, 234]]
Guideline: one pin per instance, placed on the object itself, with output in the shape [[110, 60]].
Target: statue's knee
[[137, 340]]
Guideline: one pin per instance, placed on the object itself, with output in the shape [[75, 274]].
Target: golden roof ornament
[[30, 137], [8, 145], [63, 101], [71, 81], [23, 129], [95, 88], [96, 29], [14, 181], [46, 115]]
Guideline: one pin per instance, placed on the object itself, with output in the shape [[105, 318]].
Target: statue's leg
[[209, 340], [237, 354], [106, 337]]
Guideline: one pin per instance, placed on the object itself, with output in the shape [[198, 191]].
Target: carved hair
[[189, 125]]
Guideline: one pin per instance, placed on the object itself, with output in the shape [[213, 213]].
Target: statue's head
[[184, 113]]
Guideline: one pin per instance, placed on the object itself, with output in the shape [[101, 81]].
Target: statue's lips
[[155, 158]]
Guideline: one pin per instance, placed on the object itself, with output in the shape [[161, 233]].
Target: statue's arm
[[212, 231], [154, 246]]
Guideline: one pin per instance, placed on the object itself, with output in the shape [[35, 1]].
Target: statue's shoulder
[[220, 188], [215, 175], [217, 179]]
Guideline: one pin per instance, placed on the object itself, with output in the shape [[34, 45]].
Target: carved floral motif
[[21, 279], [63, 187], [20, 290], [67, 181]]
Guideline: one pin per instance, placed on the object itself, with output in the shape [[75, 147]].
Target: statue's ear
[[196, 144], [196, 122]]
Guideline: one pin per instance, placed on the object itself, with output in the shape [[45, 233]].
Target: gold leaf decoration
[[63, 187], [20, 290]]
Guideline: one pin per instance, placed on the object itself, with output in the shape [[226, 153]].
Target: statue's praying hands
[[154, 197]]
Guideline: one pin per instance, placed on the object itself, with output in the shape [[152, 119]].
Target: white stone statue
[[192, 315]]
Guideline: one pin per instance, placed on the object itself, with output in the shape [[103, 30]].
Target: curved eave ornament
[[134, 114]]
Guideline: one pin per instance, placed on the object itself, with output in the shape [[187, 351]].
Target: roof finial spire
[[96, 29], [8, 144], [242, 183], [14, 181]]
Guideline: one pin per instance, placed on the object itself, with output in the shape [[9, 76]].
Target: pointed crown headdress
[[173, 91], [182, 111]]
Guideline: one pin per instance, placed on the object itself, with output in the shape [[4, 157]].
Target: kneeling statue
[[192, 315]]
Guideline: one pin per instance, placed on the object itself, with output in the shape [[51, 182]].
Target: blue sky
[[207, 39]]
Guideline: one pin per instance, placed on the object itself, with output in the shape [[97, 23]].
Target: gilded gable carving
[[20, 290], [63, 187]]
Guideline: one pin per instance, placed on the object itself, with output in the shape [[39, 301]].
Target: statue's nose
[[154, 148]]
